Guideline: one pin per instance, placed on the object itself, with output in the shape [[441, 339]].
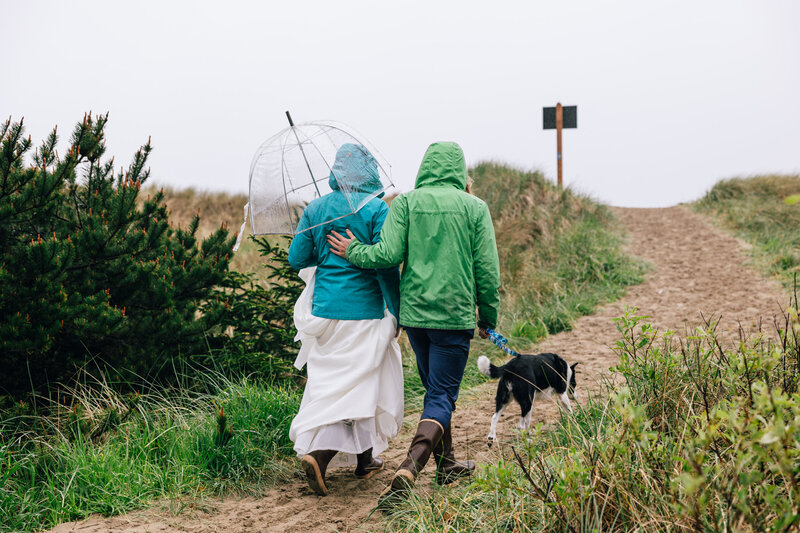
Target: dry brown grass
[[216, 209]]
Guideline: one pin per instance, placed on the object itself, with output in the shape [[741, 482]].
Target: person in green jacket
[[445, 239]]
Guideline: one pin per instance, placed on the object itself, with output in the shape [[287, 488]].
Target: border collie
[[525, 377]]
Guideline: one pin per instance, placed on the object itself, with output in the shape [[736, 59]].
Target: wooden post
[[559, 125]]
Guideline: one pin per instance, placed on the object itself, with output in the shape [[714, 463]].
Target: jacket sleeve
[[391, 250], [487, 269], [301, 251], [388, 278]]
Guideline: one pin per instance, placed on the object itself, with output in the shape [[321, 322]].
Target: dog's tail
[[488, 369]]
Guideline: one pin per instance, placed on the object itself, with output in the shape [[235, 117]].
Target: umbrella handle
[[291, 122]]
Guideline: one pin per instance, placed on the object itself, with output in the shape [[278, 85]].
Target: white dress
[[353, 399]]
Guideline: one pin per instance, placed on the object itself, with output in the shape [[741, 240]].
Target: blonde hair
[[468, 188]]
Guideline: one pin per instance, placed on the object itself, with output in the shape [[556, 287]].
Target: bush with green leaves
[[88, 270]]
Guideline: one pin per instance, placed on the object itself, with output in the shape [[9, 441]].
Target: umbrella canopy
[[307, 161]]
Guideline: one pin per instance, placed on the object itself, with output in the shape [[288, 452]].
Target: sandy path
[[696, 269]]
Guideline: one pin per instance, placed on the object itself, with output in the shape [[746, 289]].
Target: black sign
[[569, 116]]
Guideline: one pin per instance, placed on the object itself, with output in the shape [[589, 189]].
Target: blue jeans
[[441, 358]]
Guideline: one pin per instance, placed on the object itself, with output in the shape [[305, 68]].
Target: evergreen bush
[[88, 270], [258, 321]]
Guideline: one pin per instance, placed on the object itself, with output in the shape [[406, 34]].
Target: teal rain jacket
[[342, 290], [445, 238]]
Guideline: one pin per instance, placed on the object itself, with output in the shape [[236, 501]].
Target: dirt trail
[[696, 269]]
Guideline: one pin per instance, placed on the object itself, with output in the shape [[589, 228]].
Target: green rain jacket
[[445, 238]]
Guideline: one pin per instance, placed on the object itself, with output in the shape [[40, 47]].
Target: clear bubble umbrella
[[307, 161]]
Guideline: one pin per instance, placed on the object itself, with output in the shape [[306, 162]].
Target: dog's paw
[[489, 442]]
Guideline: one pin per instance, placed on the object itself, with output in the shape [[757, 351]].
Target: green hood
[[445, 240], [443, 165]]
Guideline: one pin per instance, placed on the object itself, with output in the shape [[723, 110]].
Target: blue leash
[[500, 342]]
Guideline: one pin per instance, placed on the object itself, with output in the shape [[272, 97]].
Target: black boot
[[447, 468], [429, 433], [367, 465], [314, 465]]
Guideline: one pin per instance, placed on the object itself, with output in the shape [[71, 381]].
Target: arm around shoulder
[[391, 249]]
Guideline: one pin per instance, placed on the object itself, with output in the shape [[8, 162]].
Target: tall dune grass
[[561, 253]]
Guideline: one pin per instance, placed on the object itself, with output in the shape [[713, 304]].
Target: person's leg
[[367, 465], [314, 465], [421, 344], [447, 356], [447, 468], [428, 433]]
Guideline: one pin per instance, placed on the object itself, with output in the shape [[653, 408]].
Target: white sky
[[672, 95]]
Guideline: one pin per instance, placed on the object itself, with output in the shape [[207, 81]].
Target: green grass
[[699, 438], [755, 210], [163, 444]]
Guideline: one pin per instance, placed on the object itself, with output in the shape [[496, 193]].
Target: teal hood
[[355, 170]]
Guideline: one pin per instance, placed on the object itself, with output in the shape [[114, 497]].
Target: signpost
[[558, 118]]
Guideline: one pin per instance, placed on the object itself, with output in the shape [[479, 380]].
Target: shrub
[[699, 437], [87, 271], [258, 318]]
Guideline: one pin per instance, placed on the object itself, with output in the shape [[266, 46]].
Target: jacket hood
[[355, 170], [443, 165]]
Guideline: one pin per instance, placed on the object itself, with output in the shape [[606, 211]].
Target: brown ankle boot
[[429, 433], [314, 465], [367, 465], [447, 468]]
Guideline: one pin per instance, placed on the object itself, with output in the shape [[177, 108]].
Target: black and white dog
[[525, 377]]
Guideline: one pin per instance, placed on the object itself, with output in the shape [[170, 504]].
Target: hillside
[[756, 210], [696, 271]]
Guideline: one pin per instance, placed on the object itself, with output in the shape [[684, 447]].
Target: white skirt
[[353, 399]]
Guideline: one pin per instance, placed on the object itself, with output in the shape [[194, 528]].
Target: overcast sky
[[672, 95]]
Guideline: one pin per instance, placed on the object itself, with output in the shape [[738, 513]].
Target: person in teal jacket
[[445, 239], [367, 290], [345, 292]]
